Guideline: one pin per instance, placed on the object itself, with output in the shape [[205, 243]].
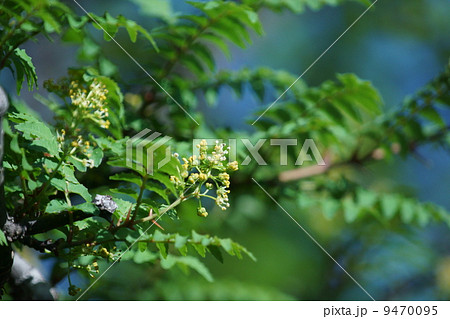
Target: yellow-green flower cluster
[[222, 197], [201, 211], [205, 172], [77, 146], [91, 102], [91, 269]]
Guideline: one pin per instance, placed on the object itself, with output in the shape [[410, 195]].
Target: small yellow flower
[[202, 177], [91, 102], [201, 211], [104, 252], [233, 166]]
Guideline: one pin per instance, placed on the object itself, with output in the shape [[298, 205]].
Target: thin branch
[[304, 172], [139, 199]]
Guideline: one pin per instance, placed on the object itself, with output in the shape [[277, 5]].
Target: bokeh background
[[399, 46]]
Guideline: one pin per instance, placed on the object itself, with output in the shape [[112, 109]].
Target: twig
[[304, 172], [139, 199]]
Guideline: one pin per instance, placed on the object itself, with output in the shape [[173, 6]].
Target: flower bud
[[201, 211]]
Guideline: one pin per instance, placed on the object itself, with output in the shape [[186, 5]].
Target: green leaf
[[86, 207], [407, 211], [77, 164], [24, 68], [40, 135], [329, 207], [351, 210], [74, 24], [127, 177], [3, 241], [187, 261], [423, 217], [73, 188], [57, 206], [201, 250], [366, 198], [162, 249], [97, 156], [205, 55], [123, 207], [227, 245], [80, 190], [111, 25], [142, 246], [346, 106], [157, 189], [296, 6], [180, 244], [389, 205], [144, 256], [160, 239], [157, 8], [217, 41], [66, 170], [216, 253], [125, 191], [432, 115]]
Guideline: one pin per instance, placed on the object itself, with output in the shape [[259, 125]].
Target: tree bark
[[6, 254]]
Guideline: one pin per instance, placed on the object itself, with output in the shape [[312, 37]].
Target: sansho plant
[[69, 193]]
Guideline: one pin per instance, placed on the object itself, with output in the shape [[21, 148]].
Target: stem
[[208, 196], [139, 199], [69, 265], [69, 203], [171, 206]]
